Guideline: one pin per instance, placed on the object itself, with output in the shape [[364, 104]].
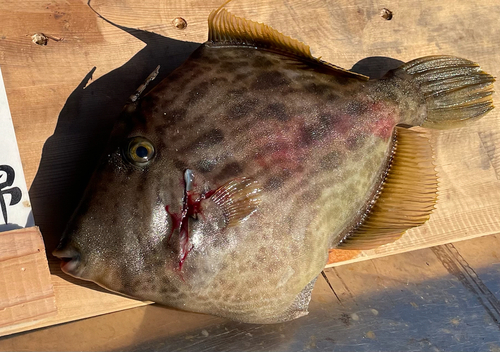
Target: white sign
[[15, 206]]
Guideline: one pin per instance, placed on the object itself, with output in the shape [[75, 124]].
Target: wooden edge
[[27, 296], [61, 318], [338, 257]]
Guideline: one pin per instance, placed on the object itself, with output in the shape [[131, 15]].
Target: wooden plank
[[29, 301], [43, 88], [26, 295]]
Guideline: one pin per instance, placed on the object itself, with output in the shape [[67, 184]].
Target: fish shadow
[[83, 127], [376, 67]]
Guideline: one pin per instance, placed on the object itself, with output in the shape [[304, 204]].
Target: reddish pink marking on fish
[[383, 128], [282, 148], [180, 221], [384, 121], [342, 125], [176, 221]]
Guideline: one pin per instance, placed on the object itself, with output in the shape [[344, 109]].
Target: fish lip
[[70, 261]]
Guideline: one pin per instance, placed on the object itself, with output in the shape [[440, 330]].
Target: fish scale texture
[[310, 144]]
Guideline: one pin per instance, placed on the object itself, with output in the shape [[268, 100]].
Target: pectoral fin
[[238, 199], [406, 198]]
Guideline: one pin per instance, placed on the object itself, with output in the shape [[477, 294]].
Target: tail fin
[[455, 90]]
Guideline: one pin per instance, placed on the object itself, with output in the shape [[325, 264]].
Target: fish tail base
[[455, 90]]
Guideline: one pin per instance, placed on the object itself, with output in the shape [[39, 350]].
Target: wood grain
[[72, 90], [26, 294]]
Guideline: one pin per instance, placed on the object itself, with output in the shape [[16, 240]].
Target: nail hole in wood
[[179, 23], [386, 14], [39, 39]]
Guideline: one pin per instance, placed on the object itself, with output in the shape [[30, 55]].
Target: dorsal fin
[[224, 28], [407, 196]]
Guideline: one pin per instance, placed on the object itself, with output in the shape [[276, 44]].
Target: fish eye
[[139, 151]]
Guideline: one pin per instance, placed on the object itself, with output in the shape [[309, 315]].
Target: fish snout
[[70, 260]]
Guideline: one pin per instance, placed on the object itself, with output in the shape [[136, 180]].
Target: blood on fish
[[176, 221], [191, 208]]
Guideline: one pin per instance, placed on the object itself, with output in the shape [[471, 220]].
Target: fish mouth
[[70, 261]]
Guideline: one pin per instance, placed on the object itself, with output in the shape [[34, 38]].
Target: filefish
[[222, 190]]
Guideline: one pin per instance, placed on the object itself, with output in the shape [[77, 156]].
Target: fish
[[223, 188]]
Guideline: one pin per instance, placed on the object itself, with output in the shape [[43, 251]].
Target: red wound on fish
[[176, 221], [238, 199], [180, 221]]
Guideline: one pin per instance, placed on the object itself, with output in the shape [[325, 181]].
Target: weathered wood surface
[[26, 293], [71, 91]]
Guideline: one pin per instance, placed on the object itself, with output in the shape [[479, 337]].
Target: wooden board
[[71, 91], [26, 294]]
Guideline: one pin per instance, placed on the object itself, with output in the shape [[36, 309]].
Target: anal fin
[[406, 197]]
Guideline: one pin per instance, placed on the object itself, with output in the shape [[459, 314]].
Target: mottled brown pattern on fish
[[223, 188], [294, 129], [281, 139]]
